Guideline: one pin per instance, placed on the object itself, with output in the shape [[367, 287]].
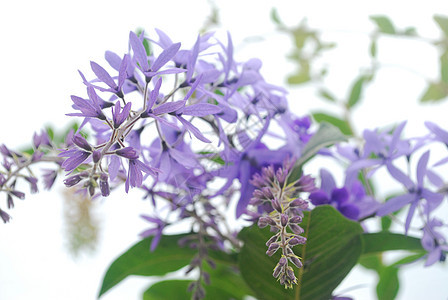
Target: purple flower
[[434, 242], [156, 231], [119, 117], [415, 192], [135, 176], [75, 158], [350, 200], [91, 108], [142, 59]]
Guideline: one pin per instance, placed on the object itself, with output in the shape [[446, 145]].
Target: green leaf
[[435, 91], [225, 283], [384, 24], [371, 261], [332, 249], [444, 67], [325, 94], [442, 21], [215, 157], [385, 241], [275, 18], [301, 76], [355, 93], [373, 48], [409, 259], [325, 136], [138, 260], [389, 284], [339, 123], [168, 289]]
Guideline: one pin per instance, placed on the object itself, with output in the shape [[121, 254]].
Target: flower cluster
[[278, 206], [388, 149]]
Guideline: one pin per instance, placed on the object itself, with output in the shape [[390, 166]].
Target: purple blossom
[[350, 200], [120, 117], [416, 191], [156, 231], [434, 242], [135, 176]]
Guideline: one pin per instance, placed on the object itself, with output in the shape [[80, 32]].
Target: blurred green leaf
[[342, 125], [326, 135], [332, 249], [385, 241], [325, 94], [355, 92], [386, 222], [444, 67], [275, 18], [442, 21], [389, 284], [373, 48], [410, 31], [138, 260], [384, 24], [435, 91]]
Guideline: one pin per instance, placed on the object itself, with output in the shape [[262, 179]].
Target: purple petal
[[394, 204], [165, 56], [201, 110], [102, 75], [193, 129], [396, 136], [122, 74], [169, 107], [339, 195], [139, 51], [399, 176], [421, 168], [154, 93], [319, 198], [327, 183]]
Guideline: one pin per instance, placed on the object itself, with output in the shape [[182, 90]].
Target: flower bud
[[284, 220], [276, 205], [272, 248], [297, 240], [296, 261], [81, 142], [104, 185], [296, 229], [271, 240], [295, 220]]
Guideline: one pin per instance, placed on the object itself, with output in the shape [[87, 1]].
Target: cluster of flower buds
[[283, 212]]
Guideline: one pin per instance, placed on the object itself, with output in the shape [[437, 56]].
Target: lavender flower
[[415, 192]]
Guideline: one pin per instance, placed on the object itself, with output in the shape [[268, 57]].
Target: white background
[[44, 43]]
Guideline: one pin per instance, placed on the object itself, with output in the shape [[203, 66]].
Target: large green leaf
[[385, 241], [225, 283], [332, 249], [138, 260], [326, 135]]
